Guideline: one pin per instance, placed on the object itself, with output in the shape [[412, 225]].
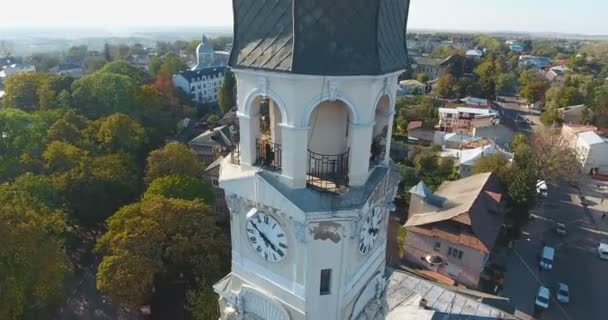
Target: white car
[[563, 293], [602, 251], [546, 258], [542, 298]]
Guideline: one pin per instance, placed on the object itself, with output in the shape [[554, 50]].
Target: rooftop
[[404, 292], [320, 37], [205, 72], [591, 138]]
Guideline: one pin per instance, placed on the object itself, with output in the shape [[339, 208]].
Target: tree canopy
[[165, 237], [173, 158], [180, 187]]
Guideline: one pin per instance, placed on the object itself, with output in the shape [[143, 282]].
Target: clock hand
[[266, 240]]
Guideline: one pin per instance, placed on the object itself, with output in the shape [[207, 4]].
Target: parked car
[[542, 298], [563, 293], [560, 229], [546, 258], [602, 251]]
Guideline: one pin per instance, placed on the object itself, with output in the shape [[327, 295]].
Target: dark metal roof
[[324, 37], [190, 75]]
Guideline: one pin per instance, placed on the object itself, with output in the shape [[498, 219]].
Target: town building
[[213, 143], [312, 184], [453, 231], [212, 175], [535, 62], [466, 158], [555, 74], [420, 133], [202, 85], [411, 87], [207, 57], [69, 69], [474, 54], [433, 68], [574, 114], [592, 150], [466, 119], [15, 68]]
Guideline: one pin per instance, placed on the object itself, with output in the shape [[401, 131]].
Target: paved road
[[576, 262], [512, 113]]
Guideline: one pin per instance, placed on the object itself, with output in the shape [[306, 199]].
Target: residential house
[[434, 68], [466, 119], [69, 69], [474, 54], [536, 62], [202, 85], [212, 175], [569, 133], [573, 114], [9, 70], [420, 133], [453, 231], [411, 87], [516, 47], [476, 102], [213, 143], [592, 150], [466, 158], [555, 74]]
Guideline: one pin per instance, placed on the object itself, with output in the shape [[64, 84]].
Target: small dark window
[[437, 246], [325, 282]]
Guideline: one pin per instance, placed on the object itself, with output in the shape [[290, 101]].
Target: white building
[[207, 57], [592, 150], [203, 86], [466, 119], [308, 200], [9, 70]]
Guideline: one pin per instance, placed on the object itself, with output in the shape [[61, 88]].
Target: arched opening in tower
[[380, 135], [329, 145], [268, 140]]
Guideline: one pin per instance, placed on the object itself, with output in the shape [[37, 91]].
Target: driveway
[[576, 261]]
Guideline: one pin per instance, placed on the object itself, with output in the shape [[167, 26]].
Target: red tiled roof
[[414, 125], [464, 239]]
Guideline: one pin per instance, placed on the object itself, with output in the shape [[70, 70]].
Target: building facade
[[453, 231], [310, 191], [203, 86]]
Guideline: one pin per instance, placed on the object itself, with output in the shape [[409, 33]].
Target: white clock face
[[266, 237], [370, 230]]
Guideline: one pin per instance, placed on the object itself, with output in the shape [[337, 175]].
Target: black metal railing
[[378, 151], [269, 154], [327, 172]]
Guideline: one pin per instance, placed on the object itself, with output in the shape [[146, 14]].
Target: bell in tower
[[311, 186]]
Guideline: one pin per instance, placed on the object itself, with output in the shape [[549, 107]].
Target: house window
[[215, 183], [437, 246], [453, 252], [325, 287]]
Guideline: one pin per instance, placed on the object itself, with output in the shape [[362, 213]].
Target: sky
[[564, 16]]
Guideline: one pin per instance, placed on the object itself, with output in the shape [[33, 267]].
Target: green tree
[[550, 117], [169, 64], [101, 94], [92, 64], [158, 237], [422, 77], [487, 73], [445, 86], [125, 68], [181, 187], [21, 134], [33, 264], [202, 303], [600, 105], [173, 158], [496, 163], [227, 92], [118, 132]]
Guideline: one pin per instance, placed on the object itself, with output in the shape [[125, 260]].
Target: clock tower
[[310, 185]]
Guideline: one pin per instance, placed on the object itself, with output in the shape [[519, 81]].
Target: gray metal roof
[[321, 37]]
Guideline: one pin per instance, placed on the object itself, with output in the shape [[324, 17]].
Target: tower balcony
[[268, 154], [327, 172]]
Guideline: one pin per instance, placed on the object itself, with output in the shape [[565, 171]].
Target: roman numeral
[[280, 252], [258, 217], [274, 225], [280, 235], [266, 255], [282, 245], [266, 219], [250, 231], [253, 240], [274, 256], [259, 248]]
